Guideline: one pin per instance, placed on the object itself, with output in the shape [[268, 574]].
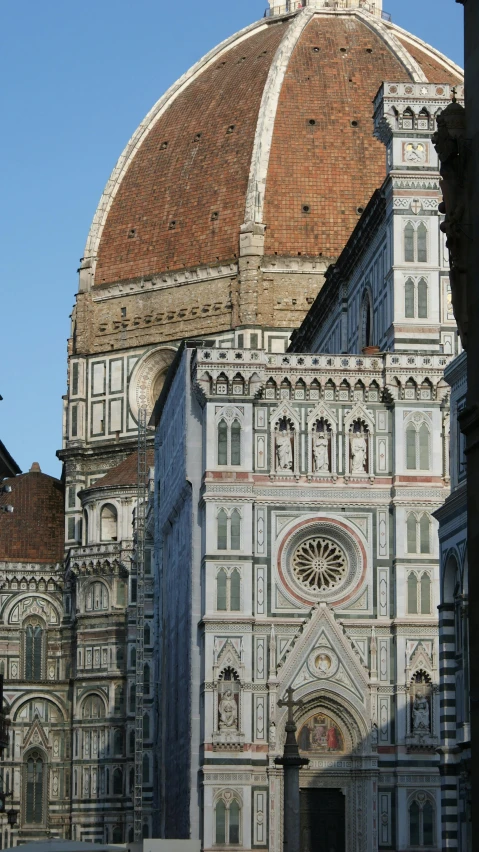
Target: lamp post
[[12, 813], [291, 762]]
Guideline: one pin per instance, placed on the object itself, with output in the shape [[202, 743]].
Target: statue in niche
[[321, 451], [359, 451], [420, 714], [228, 711], [284, 447]]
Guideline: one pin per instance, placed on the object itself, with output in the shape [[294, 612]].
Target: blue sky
[[77, 79]]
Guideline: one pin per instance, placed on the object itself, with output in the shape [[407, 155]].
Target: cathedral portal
[[323, 820]]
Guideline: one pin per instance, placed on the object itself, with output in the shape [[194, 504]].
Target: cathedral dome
[[35, 530], [264, 147]]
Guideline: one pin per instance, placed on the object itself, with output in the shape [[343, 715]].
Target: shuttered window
[[34, 790]]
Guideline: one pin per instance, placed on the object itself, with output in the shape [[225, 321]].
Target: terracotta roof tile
[[181, 204], [35, 530], [126, 473]]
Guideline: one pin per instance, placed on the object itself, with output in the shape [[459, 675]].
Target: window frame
[[229, 512], [225, 424], [37, 755], [34, 623], [228, 575], [416, 426], [418, 574], [418, 247], [418, 518], [421, 804], [227, 805]]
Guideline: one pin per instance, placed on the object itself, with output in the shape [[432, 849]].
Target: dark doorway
[[322, 821]]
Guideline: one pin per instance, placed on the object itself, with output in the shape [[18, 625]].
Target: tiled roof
[[179, 194], [35, 530], [126, 473]]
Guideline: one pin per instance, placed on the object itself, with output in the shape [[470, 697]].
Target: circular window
[[319, 564], [322, 560]]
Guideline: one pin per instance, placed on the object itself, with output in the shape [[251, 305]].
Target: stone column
[[291, 763]]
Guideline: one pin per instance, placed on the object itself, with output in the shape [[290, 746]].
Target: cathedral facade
[[296, 545], [246, 180]]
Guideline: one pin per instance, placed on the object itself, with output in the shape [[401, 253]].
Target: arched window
[[411, 524], [415, 243], [132, 780], [412, 590], [419, 593], [117, 834], [93, 708], [366, 321], [425, 534], [108, 523], [235, 530], [118, 707], [421, 243], [409, 243], [96, 597], [227, 822], [34, 640], [117, 781], [132, 741], [228, 590], [221, 591], [133, 657], [418, 448], [222, 530], [418, 533], [147, 637], [146, 769], [235, 590], [222, 442], [146, 726], [422, 299], [229, 442], [132, 704], [146, 678], [34, 789], [118, 743], [423, 447], [220, 822], [234, 822], [229, 530], [411, 447], [425, 593], [421, 821], [235, 442], [409, 298]]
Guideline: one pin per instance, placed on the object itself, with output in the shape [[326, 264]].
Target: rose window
[[319, 564]]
